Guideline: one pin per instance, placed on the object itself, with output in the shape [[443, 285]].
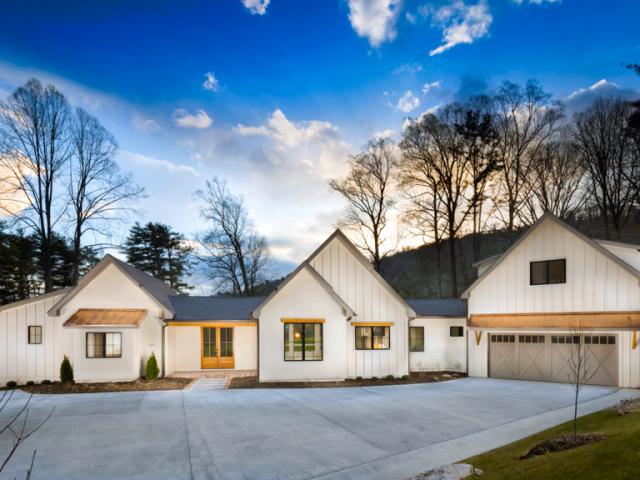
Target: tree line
[[495, 162]]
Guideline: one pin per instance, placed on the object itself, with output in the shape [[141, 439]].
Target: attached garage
[[547, 357]]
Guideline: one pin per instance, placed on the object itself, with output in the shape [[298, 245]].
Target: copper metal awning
[[106, 317]]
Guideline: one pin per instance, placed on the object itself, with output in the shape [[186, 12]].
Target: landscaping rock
[[628, 406], [454, 471]]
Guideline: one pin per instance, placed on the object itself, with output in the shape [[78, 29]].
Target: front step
[[205, 384]]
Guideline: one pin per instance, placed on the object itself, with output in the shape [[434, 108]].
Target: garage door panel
[[548, 357]]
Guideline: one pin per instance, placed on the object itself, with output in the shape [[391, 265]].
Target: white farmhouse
[[552, 288]]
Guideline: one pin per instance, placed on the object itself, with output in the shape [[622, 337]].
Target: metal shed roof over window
[[107, 317]]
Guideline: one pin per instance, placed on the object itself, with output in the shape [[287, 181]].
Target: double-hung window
[[302, 341], [372, 338], [104, 345]]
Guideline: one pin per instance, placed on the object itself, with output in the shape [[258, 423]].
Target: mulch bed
[[140, 385], [565, 442], [415, 377]]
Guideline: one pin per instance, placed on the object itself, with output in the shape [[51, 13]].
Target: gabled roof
[[319, 278], [357, 254], [156, 289], [439, 307], [189, 308], [26, 301], [549, 216]]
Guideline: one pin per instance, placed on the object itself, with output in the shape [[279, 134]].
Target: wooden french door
[[216, 347]]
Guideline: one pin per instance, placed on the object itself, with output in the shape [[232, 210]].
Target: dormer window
[[548, 272]]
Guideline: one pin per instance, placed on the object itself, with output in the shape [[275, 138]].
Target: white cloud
[[536, 2], [384, 134], [408, 68], [583, 97], [429, 86], [286, 133], [199, 119], [461, 23], [411, 18], [429, 111], [143, 123], [256, 7], [127, 156], [375, 19], [211, 82], [408, 102]]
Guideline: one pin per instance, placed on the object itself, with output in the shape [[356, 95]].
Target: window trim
[[37, 327], [410, 344], [451, 327], [371, 345], [546, 273], [304, 324], [86, 345]]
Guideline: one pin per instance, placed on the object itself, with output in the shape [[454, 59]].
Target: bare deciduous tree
[[97, 188], [14, 423], [556, 180], [35, 147], [236, 256], [609, 155], [581, 370], [367, 190], [433, 155], [525, 119]]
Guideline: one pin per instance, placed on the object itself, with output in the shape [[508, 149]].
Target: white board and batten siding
[[366, 295], [20, 361], [441, 350], [594, 283]]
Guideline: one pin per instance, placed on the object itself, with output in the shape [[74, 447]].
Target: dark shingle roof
[[213, 308], [442, 307], [155, 287]]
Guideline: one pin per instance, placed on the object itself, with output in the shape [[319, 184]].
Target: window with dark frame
[[302, 342], [456, 331], [416, 339], [372, 338], [34, 336], [104, 345], [548, 272]]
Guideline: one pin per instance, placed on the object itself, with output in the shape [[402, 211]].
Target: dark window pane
[[363, 338], [456, 331], [538, 273], [380, 338], [416, 339], [556, 271]]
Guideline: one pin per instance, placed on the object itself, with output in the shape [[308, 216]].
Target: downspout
[[164, 350], [257, 347]]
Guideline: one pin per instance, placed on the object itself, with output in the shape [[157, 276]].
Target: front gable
[[353, 278], [595, 279]]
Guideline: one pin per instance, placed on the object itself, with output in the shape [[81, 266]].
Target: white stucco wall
[[441, 351], [183, 348], [20, 361], [302, 297]]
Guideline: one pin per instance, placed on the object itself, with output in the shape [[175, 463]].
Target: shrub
[[66, 371], [152, 370], [31, 382], [358, 378], [390, 377], [12, 384], [405, 377], [374, 378], [45, 382]]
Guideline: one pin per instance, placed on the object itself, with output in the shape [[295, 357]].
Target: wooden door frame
[[228, 362]]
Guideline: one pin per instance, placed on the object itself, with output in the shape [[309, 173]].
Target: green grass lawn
[[616, 457]]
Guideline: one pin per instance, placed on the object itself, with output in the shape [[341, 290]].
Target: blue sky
[[296, 86]]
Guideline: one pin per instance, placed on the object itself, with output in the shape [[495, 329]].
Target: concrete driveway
[[386, 432]]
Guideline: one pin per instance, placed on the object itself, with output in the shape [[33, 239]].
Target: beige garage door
[[547, 357]]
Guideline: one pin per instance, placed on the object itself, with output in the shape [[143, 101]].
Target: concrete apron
[[407, 464]]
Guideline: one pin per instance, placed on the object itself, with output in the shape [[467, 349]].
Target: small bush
[[30, 382], [390, 377], [405, 377], [66, 371], [12, 384], [358, 378], [374, 378], [152, 370], [45, 382]]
